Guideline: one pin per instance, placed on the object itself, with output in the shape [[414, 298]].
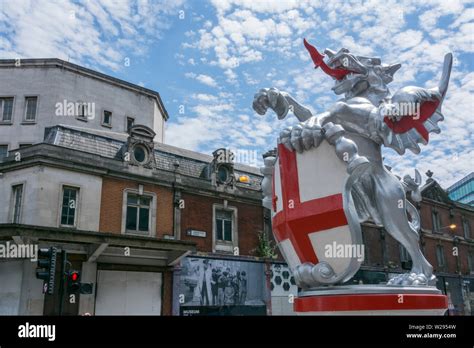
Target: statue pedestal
[[371, 300]]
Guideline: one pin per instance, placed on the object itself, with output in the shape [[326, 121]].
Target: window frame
[[441, 266], [77, 208], [35, 120], [222, 245], [108, 125], [152, 213], [436, 221], [223, 226], [82, 106], [2, 121], [126, 123], [8, 149], [13, 205], [404, 254], [470, 261], [466, 231]]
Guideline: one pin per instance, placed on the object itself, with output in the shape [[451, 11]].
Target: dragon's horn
[[448, 64], [315, 55], [318, 61], [391, 69]]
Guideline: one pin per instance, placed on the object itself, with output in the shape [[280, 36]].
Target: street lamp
[[452, 227]]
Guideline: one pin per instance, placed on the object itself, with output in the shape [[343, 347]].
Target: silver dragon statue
[[370, 116]]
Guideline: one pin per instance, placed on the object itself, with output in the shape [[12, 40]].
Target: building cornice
[[84, 162]]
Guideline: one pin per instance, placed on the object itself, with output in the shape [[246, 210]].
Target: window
[[405, 258], [224, 225], [69, 206], [107, 119], [83, 111], [140, 154], [31, 105], [225, 237], [436, 221], [440, 256], [6, 110], [17, 194], [466, 228], [3, 151], [130, 123], [470, 261], [404, 255], [138, 213], [223, 174]]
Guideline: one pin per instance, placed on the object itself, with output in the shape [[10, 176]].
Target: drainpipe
[[176, 203]]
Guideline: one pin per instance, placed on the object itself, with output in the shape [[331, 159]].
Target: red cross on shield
[[308, 213]]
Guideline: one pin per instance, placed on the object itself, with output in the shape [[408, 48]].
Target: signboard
[[205, 286], [196, 233]]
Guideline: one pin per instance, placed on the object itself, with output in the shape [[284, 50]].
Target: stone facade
[[57, 85]]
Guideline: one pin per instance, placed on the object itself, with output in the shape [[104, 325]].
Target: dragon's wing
[[405, 132]]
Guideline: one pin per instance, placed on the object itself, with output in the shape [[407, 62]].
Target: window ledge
[[135, 233], [107, 125], [26, 123], [68, 227], [225, 247], [83, 119], [6, 123]]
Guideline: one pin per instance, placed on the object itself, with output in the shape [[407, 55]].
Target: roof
[[110, 145], [433, 190], [59, 63]]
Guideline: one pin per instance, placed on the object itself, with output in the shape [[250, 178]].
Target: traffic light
[[46, 269], [74, 280]]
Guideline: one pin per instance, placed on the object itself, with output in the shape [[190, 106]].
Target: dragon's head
[[354, 75]]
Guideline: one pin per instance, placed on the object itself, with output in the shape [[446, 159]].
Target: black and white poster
[[219, 286]]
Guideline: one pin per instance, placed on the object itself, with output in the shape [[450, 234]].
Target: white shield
[[308, 217]]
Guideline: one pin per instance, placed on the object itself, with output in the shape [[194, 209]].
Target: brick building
[[447, 242]]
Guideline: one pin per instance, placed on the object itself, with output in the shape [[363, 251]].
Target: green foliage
[[266, 247]]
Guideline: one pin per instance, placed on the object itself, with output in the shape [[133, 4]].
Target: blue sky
[[208, 58]]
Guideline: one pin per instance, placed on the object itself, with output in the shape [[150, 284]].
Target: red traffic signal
[[73, 280], [74, 276]]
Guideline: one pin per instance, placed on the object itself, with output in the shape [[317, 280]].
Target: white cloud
[[204, 97], [261, 41], [205, 79], [90, 33]]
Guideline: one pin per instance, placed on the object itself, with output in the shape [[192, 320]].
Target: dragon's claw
[[301, 137]]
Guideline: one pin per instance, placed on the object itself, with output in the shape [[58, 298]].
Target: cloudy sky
[[208, 58]]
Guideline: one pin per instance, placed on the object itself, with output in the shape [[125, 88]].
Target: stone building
[[139, 208], [40, 93]]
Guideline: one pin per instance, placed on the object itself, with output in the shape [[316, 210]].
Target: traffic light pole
[[63, 280]]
